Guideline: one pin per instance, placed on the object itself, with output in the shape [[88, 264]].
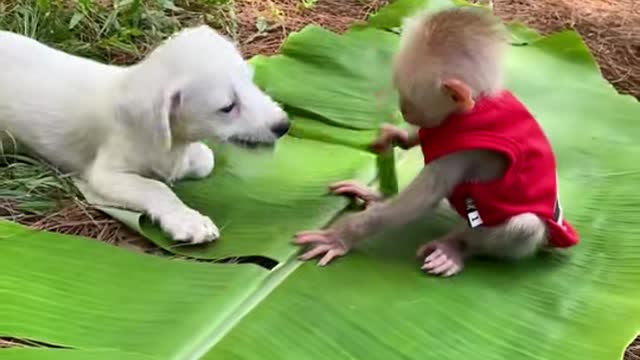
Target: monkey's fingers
[[441, 263], [437, 253], [314, 236], [313, 232], [435, 261], [426, 249], [387, 128], [316, 251], [382, 144], [388, 134], [330, 255], [453, 271], [395, 134], [356, 190], [422, 250], [405, 144], [444, 267], [339, 184]]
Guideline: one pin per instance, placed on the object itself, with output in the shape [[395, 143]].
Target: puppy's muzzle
[[281, 128]]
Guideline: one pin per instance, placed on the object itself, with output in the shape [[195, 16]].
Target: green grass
[[30, 186], [120, 31]]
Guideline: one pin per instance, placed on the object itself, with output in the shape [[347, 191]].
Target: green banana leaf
[[65, 354], [259, 199], [106, 302], [87, 295], [391, 16]]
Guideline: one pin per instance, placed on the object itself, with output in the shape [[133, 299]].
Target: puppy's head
[[196, 86]]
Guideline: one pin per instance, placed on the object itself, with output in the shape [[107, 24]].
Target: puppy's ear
[[150, 115], [171, 101]]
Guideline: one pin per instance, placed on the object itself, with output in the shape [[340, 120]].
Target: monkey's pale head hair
[[463, 43]]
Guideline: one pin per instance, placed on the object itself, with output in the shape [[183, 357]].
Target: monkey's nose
[[281, 128]]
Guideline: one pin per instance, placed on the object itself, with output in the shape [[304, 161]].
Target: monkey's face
[[423, 101], [429, 111], [410, 113]]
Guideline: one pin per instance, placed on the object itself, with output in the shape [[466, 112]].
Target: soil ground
[[611, 29]]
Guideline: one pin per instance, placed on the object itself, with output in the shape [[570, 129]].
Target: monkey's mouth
[[250, 143]]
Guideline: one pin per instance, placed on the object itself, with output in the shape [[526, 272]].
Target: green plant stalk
[[387, 176]]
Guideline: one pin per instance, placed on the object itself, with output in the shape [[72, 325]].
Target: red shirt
[[503, 124]]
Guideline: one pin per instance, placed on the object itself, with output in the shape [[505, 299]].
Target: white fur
[[127, 131]]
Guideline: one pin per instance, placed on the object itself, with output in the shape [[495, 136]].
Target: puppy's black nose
[[281, 128]]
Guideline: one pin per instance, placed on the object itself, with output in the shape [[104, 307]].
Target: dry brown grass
[[633, 351], [281, 17], [611, 29], [7, 343], [75, 217]]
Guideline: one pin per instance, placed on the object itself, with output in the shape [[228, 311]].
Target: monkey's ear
[[460, 94]]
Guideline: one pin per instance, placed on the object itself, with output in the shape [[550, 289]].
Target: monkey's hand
[[444, 256], [390, 136], [356, 190], [332, 242]]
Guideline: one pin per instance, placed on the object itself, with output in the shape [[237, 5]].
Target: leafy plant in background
[[107, 303], [308, 4], [119, 31]]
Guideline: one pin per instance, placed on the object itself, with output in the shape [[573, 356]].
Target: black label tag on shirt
[[473, 216]]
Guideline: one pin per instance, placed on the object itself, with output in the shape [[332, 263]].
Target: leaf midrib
[[220, 329]]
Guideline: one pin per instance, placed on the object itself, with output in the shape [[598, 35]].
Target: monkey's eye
[[227, 109]]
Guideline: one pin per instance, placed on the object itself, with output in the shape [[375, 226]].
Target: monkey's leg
[[517, 238], [521, 236]]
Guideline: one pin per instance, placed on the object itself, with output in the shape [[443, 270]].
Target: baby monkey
[[483, 152]]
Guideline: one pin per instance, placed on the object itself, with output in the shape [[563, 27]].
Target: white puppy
[[127, 131]]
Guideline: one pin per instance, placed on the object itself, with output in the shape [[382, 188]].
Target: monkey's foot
[[356, 190], [442, 258]]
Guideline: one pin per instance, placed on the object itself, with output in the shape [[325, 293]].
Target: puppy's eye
[[227, 109]]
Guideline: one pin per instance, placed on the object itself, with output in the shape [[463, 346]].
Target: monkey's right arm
[[433, 184]]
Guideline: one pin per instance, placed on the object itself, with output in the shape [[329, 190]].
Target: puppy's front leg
[[155, 199]]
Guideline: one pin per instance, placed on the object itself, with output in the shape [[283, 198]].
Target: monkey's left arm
[[432, 185]]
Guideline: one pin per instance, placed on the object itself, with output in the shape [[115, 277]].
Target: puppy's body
[[43, 101], [125, 131]]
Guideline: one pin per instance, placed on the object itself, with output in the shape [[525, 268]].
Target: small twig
[[262, 34]]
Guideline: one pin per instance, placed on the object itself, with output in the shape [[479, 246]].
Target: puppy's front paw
[[189, 226]]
